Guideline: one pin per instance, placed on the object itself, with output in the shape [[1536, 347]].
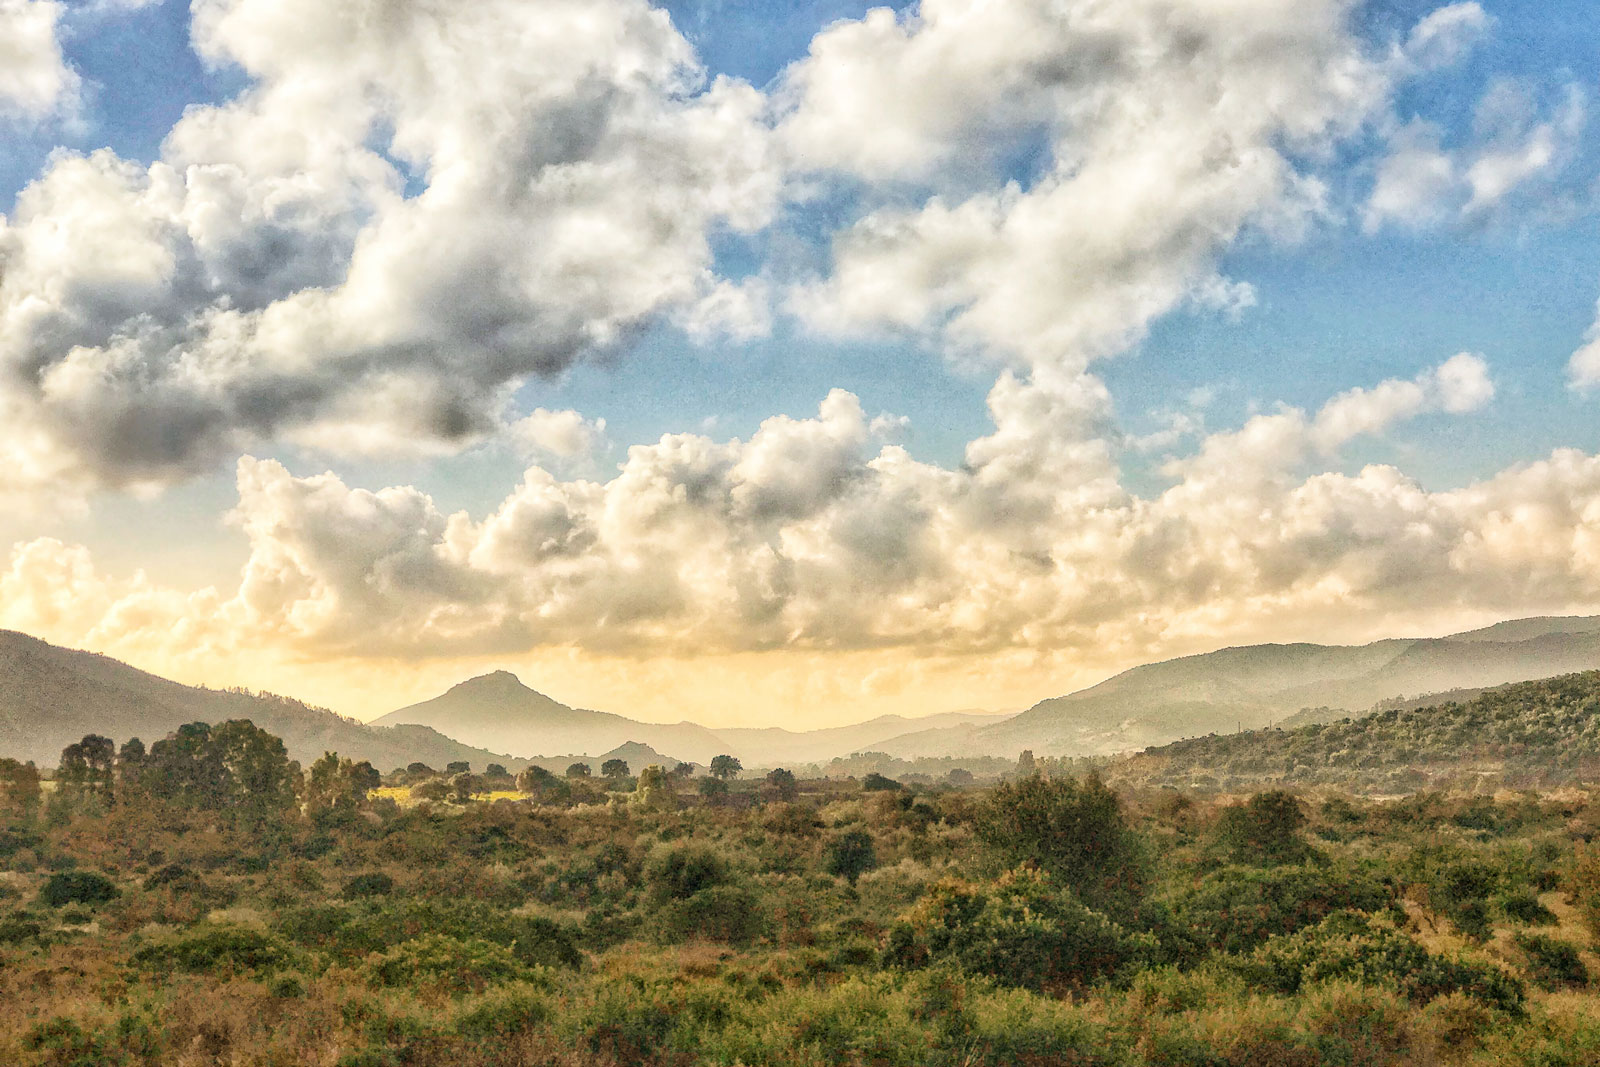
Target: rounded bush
[[371, 884], [77, 887]]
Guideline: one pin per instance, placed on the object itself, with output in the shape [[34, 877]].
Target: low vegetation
[[209, 902]]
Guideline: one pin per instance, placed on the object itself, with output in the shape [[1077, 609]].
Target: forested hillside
[[1528, 734], [51, 697]]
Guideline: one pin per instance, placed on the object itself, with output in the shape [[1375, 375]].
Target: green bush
[[77, 887], [1075, 831], [720, 913], [17, 929], [1350, 947], [1264, 831], [470, 964], [849, 855], [1235, 909], [372, 884], [1522, 906], [502, 1013], [1020, 930], [678, 873], [1551, 963], [221, 949]]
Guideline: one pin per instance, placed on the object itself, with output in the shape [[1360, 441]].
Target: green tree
[[19, 787], [615, 770], [258, 780], [463, 787], [725, 767], [850, 855], [130, 768], [1263, 831], [337, 788], [1074, 831], [534, 778], [578, 770], [459, 766], [783, 783], [89, 766], [654, 789]]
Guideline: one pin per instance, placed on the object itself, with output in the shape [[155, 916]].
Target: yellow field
[[401, 794]]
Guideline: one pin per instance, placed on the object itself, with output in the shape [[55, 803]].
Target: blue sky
[[1486, 246]]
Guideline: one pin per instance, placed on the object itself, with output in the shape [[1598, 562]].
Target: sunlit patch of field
[[402, 795]]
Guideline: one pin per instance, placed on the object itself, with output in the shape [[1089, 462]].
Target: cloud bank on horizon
[[416, 208]]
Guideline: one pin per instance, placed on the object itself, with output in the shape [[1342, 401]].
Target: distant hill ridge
[[1524, 734], [498, 710], [51, 697], [1253, 685]]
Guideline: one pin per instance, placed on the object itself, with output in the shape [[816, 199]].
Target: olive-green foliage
[[77, 887], [502, 1013], [1020, 930], [1551, 963], [352, 932], [718, 913], [678, 873], [1522, 905], [1235, 909], [849, 855], [1265, 830], [725, 932], [451, 964], [1540, 731], [219, 949], [1076, 831], [371, 884], [1348, 946]]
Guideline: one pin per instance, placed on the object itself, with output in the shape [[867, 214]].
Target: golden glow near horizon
[[387, 271]]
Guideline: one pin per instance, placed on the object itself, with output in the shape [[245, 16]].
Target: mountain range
[[496, 710], [50, 697], [1256, 685]]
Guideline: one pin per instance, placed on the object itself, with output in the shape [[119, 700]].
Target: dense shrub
[[1551, 963], [454, 965], [77, 887], [221, 949], [1265, 830], [372, 884], [849, 855], [1076, 832], [1021, 930], [1523, 906], [678, 873], [719, 913], [1350, 947], [1234, 909]]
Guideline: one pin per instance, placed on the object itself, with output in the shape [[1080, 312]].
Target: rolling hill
[[51, 697], [1255, 685], [497, 710], [1525, 734]]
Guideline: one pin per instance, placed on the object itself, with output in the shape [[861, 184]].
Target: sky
[[789, 363]]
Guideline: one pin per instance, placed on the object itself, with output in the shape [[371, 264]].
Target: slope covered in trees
[[1258, 685], [1528, 734], [50, 697]]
